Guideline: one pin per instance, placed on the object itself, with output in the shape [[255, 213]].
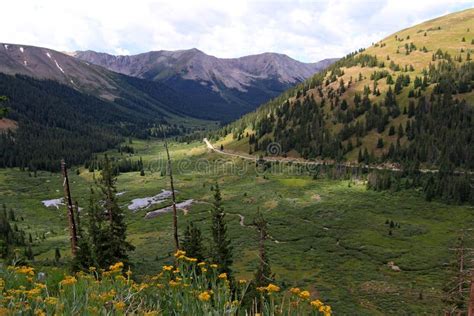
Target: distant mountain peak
[[193, 64], [225, 87]]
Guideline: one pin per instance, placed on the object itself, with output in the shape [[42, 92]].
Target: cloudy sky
[[304, 30]]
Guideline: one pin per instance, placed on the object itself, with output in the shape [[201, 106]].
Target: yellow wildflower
[[273, 288], [180, 254], [304, 295], [142, 286], [51, 300], [201, 264], [68, 280], [204, 296], [188, 259], [242, 281], [25, 270], [295, 290], [204, 270], [173, 283], [39, 312], [316, 303], [214, 266], [167, 268], [119, 305], [116, 267], [327, 309], [33, 292], [223, 276], [120, 278]]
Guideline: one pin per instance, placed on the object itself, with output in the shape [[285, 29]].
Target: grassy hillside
[[419, 80]]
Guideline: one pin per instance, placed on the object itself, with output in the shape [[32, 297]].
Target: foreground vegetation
[[189, 288]]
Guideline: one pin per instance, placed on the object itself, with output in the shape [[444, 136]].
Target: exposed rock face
[[44, 63], [222, 87], [234, 73]]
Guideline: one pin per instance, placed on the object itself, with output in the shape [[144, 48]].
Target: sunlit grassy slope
[[453, 33]]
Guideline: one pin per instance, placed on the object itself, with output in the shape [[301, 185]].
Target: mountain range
[[220, 88], [64, 106]]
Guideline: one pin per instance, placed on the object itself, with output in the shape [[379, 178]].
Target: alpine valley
[[179, 183]]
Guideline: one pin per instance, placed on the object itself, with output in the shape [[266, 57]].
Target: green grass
[[329, 236]]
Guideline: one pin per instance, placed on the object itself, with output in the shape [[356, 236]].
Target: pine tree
[[222, 249], [117, 245], [84, 256], [380, 143], [57, 255], [192, 242], [97, 231], [11, 215], [29, 253]]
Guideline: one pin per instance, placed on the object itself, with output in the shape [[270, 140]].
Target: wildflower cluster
[[188, 287]]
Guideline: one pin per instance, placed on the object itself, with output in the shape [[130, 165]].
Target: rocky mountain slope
[[62, 107], [220, 88]]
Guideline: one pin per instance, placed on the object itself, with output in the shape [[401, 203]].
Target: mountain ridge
[[218, 85]]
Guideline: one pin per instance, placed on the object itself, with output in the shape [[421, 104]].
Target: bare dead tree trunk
[[470, 311], [70, 207], [461, 265], [173, 195]]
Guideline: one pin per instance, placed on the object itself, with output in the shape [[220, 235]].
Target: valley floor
[[326, 235]]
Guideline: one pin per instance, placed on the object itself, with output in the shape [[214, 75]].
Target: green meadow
[[330, 236]]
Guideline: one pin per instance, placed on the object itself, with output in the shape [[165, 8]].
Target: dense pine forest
[[56, 121]]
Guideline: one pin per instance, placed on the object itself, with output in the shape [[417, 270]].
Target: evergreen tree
[[117, 244], [97, 231], [84, 257], [222, 249], [10, 237], [380, 143], [192, 242], [57, 255]]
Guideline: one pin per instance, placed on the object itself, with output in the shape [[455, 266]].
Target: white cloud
[[306, 30]]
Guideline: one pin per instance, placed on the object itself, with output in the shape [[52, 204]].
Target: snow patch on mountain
[[59, 67]]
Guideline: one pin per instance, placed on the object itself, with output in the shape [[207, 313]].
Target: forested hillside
[[407, 99], [57, 121]]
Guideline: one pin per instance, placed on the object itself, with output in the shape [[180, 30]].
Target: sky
[[305, 30]]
